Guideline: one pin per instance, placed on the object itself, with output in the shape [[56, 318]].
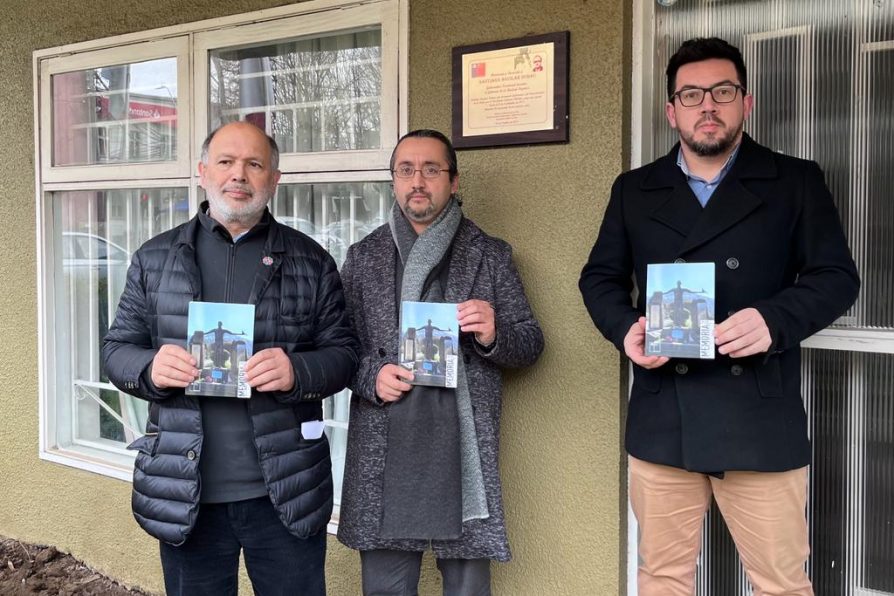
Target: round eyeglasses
[[429, 170], [694, 96]]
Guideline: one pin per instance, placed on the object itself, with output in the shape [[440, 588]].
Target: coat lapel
[[730, 203], [464, 263], [733, 201]]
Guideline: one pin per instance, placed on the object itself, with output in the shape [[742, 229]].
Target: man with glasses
[[733, 427], [421, 470]]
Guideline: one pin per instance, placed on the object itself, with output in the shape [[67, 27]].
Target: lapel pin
[[267, 260]]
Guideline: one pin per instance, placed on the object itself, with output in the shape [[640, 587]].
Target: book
[[429, 342], [221, 338], [680, 310]]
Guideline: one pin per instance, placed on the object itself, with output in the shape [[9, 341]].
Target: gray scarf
[[433, 480]]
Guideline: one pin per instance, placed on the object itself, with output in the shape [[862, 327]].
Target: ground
[[27, 569]]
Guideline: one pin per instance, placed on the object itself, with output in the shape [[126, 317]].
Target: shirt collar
[[681, 163]]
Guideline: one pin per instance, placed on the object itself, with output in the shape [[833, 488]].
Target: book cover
[[429, 342], [221, 338], [680, 310]]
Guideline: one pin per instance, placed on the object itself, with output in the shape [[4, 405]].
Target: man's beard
[[712, 146], [244, 213], [419, 215]]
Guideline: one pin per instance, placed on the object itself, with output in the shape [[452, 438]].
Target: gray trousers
[[396, 573]]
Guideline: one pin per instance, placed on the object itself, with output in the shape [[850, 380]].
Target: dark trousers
[[278, 563], [396, 573]]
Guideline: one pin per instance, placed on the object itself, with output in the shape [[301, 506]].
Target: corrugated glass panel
[[822, 73]]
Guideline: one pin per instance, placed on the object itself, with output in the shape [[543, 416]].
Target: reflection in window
[[116, 114], [314, 94], [96, 232]]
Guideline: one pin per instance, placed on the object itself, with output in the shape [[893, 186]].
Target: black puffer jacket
[[299, 306]]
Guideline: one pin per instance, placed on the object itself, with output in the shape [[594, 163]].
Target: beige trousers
[[765, 513]]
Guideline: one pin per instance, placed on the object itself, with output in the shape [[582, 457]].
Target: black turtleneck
[[229, 465]]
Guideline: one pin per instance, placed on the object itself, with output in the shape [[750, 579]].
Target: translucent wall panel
[[822, 74]]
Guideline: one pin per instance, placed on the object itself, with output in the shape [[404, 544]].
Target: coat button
[[736, 370], [382, 352], [681, 369], [190, 455], [732, 263], [679, 260]]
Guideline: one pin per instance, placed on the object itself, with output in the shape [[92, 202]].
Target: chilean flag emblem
[[477, 69]]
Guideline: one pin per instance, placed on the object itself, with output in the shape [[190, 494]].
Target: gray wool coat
[[481, 267]]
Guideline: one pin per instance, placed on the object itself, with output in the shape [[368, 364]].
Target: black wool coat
[[774, 234], [299, 307]]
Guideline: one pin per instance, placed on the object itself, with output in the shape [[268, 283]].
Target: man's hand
[[391, 382], [173, 366], [743, 334], [270, 370], [477, 316], [635, 343]]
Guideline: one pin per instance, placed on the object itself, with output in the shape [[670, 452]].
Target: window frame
[[176, 47], [187, 42], [381, 14]]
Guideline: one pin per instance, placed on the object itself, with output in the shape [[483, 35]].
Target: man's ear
[[671, 114], [747, 106], [201, 169]]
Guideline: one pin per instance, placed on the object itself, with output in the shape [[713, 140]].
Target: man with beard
[[421, 469], [215, 476], [733, 427]]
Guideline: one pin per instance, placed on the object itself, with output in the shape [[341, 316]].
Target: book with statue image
[[220, 338], [429, 342], [680, 310]]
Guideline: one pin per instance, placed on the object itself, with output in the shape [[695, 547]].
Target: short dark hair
[[427, 133], [704, 48], [274, 148]]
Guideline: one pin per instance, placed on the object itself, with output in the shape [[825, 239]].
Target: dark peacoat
[[774, 234], [480, 267]]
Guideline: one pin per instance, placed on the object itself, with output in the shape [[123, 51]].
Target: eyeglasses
[[429, 170], [694, 96]]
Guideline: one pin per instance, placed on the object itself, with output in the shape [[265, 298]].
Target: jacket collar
[[730, 203], [753, 161], [274, 246]]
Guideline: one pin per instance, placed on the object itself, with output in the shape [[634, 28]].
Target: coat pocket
[[769, 378], [646, 379], [147, 444]]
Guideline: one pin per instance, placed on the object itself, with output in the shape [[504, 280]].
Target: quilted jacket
[[299, 306]]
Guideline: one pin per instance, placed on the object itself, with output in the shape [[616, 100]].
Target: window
[[120, 123], [822, 74]]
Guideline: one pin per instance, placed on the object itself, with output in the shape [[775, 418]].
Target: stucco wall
[[561, 426]]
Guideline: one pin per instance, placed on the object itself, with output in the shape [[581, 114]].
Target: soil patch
[[28, 569]]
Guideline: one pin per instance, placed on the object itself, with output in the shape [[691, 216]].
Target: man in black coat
[[215, 475], [734, 426]]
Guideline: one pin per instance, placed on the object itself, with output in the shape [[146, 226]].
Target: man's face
[[422, 199], [238, 179], [711, 128]]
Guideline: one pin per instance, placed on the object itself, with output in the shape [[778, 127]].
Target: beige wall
[[561, 425]]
